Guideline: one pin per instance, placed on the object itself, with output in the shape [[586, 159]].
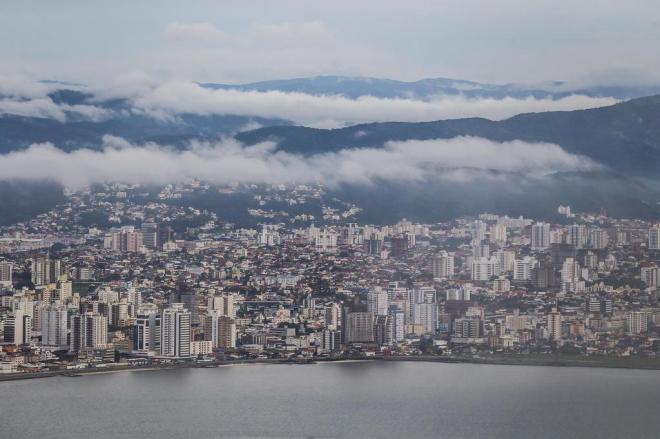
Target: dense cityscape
[[152, 290]]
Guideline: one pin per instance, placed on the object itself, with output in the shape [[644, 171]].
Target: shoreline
[[612, 363]]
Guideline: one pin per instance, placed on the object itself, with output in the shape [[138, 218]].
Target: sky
[[229, 41], [154, 54]]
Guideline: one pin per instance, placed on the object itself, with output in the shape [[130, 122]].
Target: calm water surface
[[362, 400]]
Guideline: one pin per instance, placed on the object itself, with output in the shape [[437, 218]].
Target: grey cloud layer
[[229, 161], [174, 98], [24, 97]]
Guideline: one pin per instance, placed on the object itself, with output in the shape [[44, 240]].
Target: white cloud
[[229, 161], [40, 107], [22, 87], [178, 97], [310, 33], [194, 32], [46, 108]]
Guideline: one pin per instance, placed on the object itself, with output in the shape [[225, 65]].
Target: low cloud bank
[[329, 111], [167, 100], [229, 161]]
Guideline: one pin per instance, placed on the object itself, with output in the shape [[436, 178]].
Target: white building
[[577, 235], [637, 322], [522, 270], [54, 322], [654, 238], [377, 301], [175, 332], [540, 237], [221, 330], [485, 268], [146, 338], [224, 304], [443, 265]]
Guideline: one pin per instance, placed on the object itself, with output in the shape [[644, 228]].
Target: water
[[360, 400]]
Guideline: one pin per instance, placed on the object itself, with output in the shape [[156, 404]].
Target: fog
[[329, 111], [229, 161]]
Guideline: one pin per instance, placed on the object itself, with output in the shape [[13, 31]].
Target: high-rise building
[[330, 340], [373, 245], [485, 268], [398, 322], [359, 327], [654, 238], [553, 323], [423, 294], [332, 313], [480, 249], [5, 274], [18, 328], [498, 233], [426, 315], [82, 273], [577, 235], [598, 238], [325, 241], [147, 333], [383, 330], [637, 322], [176, 332], [540, 237], [443, 265], [54, 326], [543, 274], [269, 235], [506, 260], [377, 301], [598, 305], [190, 302], [220, 330], [149, 232], [468, 327], [478, 230], [560, 252], [127, 240], [649, 275], [399, 246], [45, 270], [570, 271], [64, 289], [522, 270], [88, 331], [458, 294], [224, 304], [120, 313]]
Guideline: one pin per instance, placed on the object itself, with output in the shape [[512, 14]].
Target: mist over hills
[[620, 143], [625, 136], [355, 87]]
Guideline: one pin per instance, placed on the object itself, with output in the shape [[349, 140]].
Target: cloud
[[229, 161], [148, 96], [310, 33], [22, 96], [178, 97], [40, 107], [16, 87], [194, 32], [46, 108]]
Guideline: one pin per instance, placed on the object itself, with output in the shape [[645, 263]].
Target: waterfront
[[361, 399]]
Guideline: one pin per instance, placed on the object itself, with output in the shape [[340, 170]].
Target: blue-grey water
[[361, 400]]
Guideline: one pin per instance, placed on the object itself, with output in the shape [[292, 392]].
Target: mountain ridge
[[624, 136]]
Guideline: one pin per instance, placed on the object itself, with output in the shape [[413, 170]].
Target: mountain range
[[624, 138]]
